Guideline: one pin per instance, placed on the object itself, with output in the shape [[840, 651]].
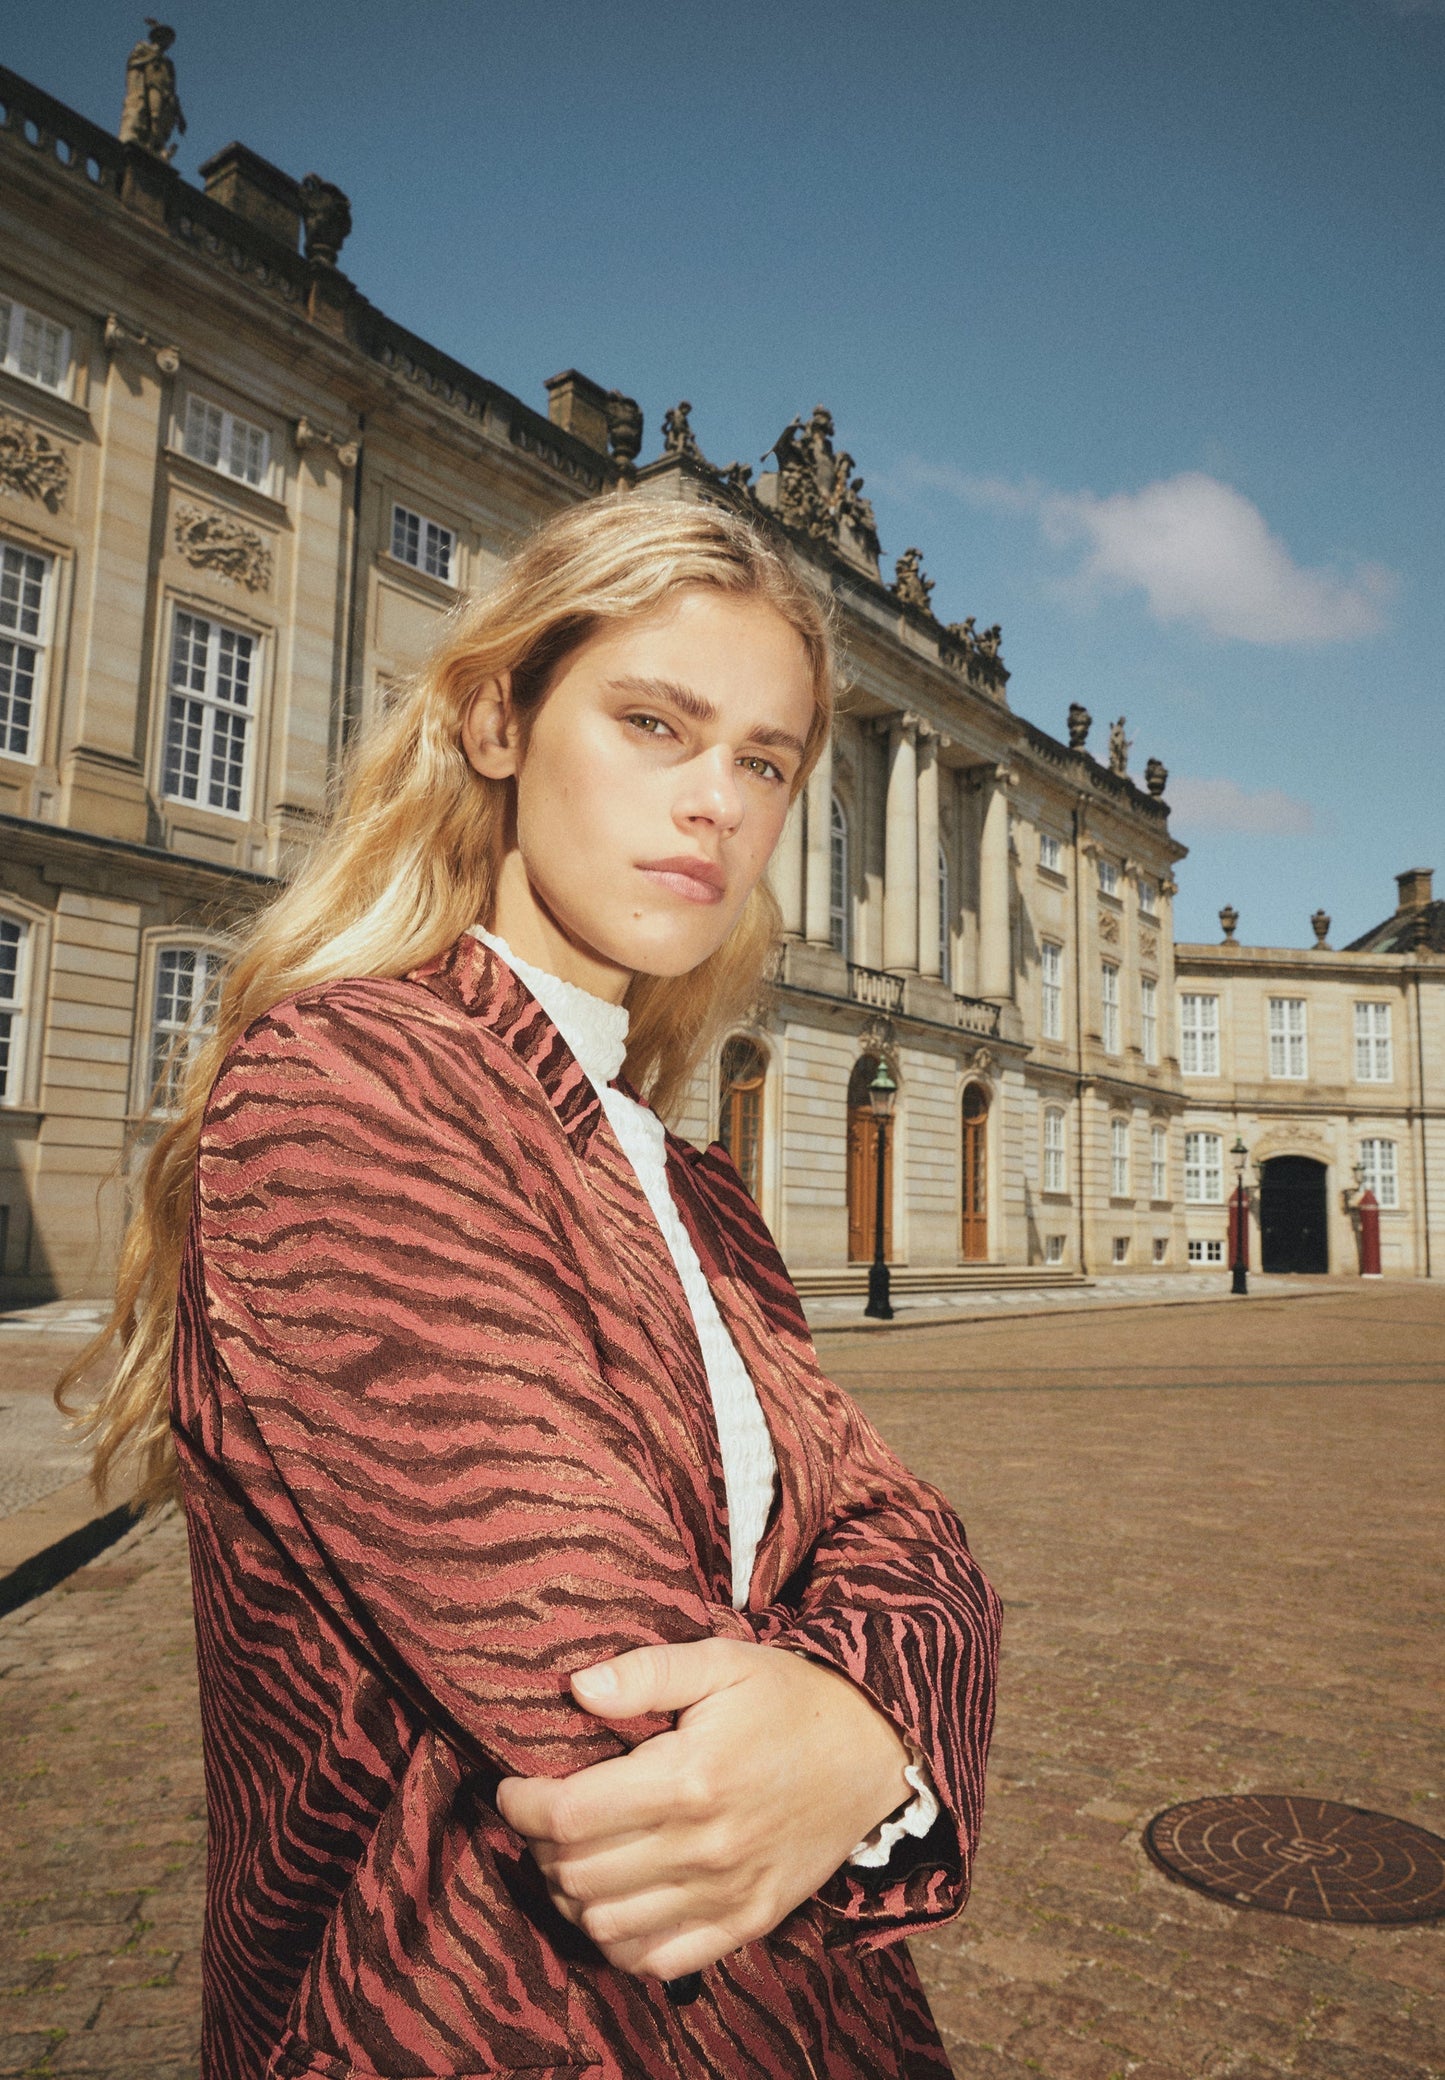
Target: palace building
[[237, 501]]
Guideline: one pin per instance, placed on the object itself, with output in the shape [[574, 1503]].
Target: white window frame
[[1051, 853], [1056, 1151], [839, 878], [1148, 897], [242, 449], [1158, 1163], [1108, 877], [1288, 1040], [1198, 1033], [1051, 989], [16, 640], [1110, 1029], [1203, 1169], [19, 933], [1149, 1019], [1161, 1249], [1118, 1157], [1119, 1253], [23, 327], [1380, 1158], [417, 541], [1054, 1249], [218, 715], [1206, 1251], [1374, 1047], [172, 1040]]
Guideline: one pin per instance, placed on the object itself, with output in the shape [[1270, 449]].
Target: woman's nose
[[713, 789]]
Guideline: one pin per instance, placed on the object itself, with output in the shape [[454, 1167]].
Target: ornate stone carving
[[1229, 922], [1149, 945], [981, 1061], [624, 427], [1156, 777], [1119, 747], [152, 109], [31, 464], [1080, 723], [807, 473], [909, 583], [216, 541], [1320, 925], [877, 1038], [738, 478], [678, 437], [1109, 927], [347, 452], [326, 219], [116, 336]]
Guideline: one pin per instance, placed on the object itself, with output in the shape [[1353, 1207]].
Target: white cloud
[[1199, 551], [1223, 805]]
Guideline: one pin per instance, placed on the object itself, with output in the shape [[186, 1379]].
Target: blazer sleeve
[[411, 1400]]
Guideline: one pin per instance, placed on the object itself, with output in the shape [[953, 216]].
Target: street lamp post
[[1239, 1284], [881, 1092]]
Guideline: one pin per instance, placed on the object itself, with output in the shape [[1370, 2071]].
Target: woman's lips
[[687, 886]]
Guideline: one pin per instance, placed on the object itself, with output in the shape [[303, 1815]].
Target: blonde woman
[[586, 1688]]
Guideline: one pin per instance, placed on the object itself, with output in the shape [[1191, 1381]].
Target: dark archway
[[975, 1175], [863, 1168], [1294, 1215], [744, 1071]]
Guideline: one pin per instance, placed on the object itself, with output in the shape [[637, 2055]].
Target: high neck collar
[[595, 1030]]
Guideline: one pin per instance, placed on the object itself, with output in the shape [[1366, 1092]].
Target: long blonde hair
[[410, 858]]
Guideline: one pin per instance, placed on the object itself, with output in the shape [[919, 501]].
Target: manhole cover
[[1303, 1856]]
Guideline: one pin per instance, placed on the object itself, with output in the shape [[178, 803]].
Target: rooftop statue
[[909, 583], [678, 437], [326, 214], [1119, 749], [152, 108], [1080, 723]]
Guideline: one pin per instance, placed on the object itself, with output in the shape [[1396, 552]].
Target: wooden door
[[740, 1127], [975, 1174], [863, 1185]]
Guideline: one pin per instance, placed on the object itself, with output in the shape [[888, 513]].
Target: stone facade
[[1329, 1066], [242, 499]]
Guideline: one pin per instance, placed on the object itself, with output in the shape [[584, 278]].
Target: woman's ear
[[489, 729]]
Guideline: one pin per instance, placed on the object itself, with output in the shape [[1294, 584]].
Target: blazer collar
[[475, 978]]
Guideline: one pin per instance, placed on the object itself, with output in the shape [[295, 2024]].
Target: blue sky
[[1130, 311]]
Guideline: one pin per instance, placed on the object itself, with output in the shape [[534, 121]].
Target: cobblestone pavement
[[1216, 1531]]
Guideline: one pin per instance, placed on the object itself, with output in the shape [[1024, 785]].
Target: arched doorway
[[740, 1108], [975, 1174], [1293, 1215], [863, 1167]]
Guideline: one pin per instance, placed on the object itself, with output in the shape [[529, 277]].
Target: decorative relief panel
[[217, 542], [1149, 945], [1108, 927], [31, 464]]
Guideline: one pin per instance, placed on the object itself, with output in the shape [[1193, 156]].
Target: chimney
[[578, 405], [1414, 886], [242, 181]]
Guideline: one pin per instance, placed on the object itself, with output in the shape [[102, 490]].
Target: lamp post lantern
[[1239, 1255], [881, 1093]]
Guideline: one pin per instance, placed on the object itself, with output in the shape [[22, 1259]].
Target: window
[[1381, 1176], [1051, 959], [1109, 1008], [1118, 1159], [14, 946], [24, 630], [184, 1012], [1206, 1252], [424, 544], [222, 441], [1108, 878], [945, 935], [1161, 1249], [208, 716], [1158, 1162], [1054, 1150], [1287, 1037], [1204, 1169], [1373, 1063], [1051, 854], [740, 1122], [1149, 1017], [1120, 1252], [1053, 1249], [1198, 1035], [34, 347], [1148, 896], [838, 878]]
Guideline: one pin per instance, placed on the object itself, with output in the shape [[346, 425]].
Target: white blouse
[[596, 1032]]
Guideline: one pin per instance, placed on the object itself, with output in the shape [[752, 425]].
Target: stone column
[[785, 869], [995, 952], [929, 962], [820, 847], [900, 846]]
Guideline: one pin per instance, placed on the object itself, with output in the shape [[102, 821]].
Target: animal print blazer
[[445, 1436]]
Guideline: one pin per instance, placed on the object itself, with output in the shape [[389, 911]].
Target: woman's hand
[[704, 1837]]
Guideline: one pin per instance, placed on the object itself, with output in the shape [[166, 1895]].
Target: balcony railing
[[975, 1015], [871, 986]]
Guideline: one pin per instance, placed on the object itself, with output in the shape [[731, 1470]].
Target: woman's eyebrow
[[700, 710]]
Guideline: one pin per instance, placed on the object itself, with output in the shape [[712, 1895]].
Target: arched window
[[975, 1174], [740, 1108], [945, 935], [838, 880], [863, 1139]]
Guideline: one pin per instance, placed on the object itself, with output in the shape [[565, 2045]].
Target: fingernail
[[596, 1682]]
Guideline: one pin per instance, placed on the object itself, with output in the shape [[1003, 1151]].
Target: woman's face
[[652, 790]]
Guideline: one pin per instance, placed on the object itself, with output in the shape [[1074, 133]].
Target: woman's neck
[[530, 929]]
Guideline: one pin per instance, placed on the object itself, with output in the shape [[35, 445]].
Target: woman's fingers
[[654, 1784]]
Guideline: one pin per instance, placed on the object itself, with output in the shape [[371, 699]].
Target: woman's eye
[[650, 725], [769, 769]]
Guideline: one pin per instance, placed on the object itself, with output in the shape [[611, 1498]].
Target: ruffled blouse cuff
[[915, 1819]]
